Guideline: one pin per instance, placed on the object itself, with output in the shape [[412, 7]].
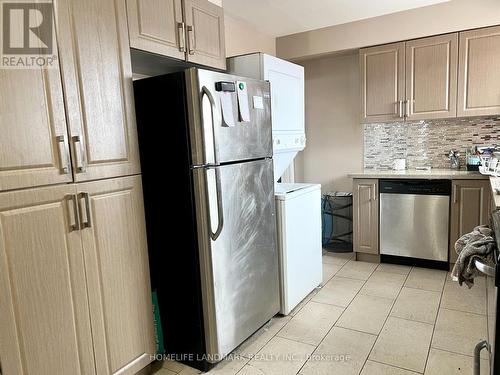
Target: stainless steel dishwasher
[[414, 222]]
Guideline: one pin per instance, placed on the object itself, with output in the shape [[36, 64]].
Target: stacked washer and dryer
[[298, 205]]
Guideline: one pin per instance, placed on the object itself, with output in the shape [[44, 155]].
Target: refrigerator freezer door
[[213, 142], [240, 280]]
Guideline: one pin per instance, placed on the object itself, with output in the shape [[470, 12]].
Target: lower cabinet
[[74, 280], [114, 243], [365, 216], [45, 325], [470, 207]]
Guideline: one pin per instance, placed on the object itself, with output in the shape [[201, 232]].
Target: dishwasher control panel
[[419, 187]]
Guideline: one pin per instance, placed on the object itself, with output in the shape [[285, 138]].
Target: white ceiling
[[283, 17]]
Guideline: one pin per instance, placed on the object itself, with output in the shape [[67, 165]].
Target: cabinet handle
[[455, 194], [400, 109], [65, 166], [181, 29], [73, 209], [87, 223], [191, 40], [78, 152], [375, 192], [407, 109]]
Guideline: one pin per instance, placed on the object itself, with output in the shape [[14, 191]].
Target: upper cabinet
[[382, 82], [410, 80], [452, 75], [157, 26], [98, 86], [431, 77], [479, 77], [32, 109], [81, 112], [190, 30], [205, 33]]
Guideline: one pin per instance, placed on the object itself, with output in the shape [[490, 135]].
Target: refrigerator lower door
[[238, 252]]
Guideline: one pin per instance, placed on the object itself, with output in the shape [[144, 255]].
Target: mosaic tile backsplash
[[426, 143]]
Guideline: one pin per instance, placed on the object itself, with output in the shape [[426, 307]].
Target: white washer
[[298, 214]]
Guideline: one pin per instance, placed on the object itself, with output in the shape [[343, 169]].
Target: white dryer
[[298, 214]]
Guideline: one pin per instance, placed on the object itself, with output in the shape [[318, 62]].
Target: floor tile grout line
[[398, 367], [467, 312], [311, 300], [319, 287], [427, 290], [267, 342], [410, 320], [435, 323], [333, 326], [452, 352], [385, 321], [276, 334]]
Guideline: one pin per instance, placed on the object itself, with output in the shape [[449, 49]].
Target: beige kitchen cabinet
[[97, 80], [33, 142], [479, 72], [157, 26], [74, 280], [190, 30], [382, 72], [470, 206], [365, 216], [431, 77], [114, 241], [45, 324], [205, 33]]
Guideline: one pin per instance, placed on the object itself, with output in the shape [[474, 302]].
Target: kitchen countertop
[[413, 173]]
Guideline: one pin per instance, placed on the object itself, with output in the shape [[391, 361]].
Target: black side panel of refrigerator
[[162, 123]]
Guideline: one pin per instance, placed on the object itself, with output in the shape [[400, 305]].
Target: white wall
[[334, 133], [242, 38], [454, 15]]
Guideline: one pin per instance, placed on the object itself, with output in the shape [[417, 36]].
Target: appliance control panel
[[289, 142]]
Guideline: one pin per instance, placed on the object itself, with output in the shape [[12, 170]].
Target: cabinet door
[[32, 108], [470, 207], [205, 33], [479, 72], [382, 82], [116, 260], [45, 324], [98, 84], [365, 216], [157, 26], [431, 77]]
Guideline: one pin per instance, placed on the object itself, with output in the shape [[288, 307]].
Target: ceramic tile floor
[[367, 319]]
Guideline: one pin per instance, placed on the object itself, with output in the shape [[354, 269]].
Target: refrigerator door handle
[[206, 91], [220, 208]]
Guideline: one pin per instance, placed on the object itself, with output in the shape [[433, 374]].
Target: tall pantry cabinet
[[74, 279]]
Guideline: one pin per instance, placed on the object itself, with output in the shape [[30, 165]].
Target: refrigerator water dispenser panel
[[225, 86]]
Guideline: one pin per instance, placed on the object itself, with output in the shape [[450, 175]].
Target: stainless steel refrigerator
[[209, 199]]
